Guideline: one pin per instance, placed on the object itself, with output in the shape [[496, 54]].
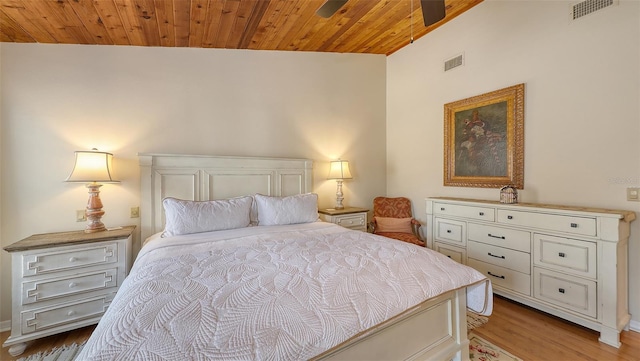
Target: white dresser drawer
[[352, 221], [503, 277], [451, 231], [457, 254], [565, 254], [42, 290], [503, 237], [499, 256], [569, 224], [566, 291], [44, 262], [61, 315], [480, 213]]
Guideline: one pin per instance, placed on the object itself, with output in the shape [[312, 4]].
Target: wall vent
[[454, 62], [589, 6]]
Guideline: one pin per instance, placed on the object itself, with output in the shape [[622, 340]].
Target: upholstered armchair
[[392, 218]]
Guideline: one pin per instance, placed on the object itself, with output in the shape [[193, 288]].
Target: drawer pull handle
[[496, 276], [491, 235], [73, 259], [72, 285], [481, 213], [442, 208], [493, 255], [561, 290], [71, 313], [562, 254], [574, 225], [448, 231], [509, 217]]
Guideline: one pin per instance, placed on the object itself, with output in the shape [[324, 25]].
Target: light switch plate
[[80, 215], [633, 194]]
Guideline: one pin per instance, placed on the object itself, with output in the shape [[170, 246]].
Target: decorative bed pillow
[[300, 208], [185, 217], [387, 224]]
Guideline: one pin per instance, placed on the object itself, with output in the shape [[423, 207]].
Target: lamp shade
[[92, 166], [339, 169]]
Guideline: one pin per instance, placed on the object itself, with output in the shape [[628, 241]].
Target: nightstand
[[63, 281], [349, 217]]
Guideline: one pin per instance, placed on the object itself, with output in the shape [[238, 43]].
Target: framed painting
[[484, 140]]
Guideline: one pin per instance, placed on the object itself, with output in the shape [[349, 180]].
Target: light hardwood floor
[[523, 331]]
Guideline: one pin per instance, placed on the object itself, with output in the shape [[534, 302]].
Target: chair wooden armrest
[[415, 227], [371, 226]]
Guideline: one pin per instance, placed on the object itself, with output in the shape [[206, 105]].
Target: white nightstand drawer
[[565, 255], [457, 254], [352, 221], [577, 225], [499, 256], [566, 291], [451, 231], [503, 277], [349, 217], [60, 315], [80, 256], [42, 290], [503, 237], [482, 213]]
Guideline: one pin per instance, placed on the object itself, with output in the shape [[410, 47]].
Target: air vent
[[454, 62], [589, 6]]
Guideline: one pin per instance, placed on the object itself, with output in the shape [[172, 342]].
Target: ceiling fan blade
[[330, 7], [432, 11]]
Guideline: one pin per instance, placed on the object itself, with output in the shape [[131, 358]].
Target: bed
[[267, 280]]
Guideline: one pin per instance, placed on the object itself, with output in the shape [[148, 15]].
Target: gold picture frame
[[484, 140]]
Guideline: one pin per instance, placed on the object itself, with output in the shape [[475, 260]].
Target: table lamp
[[93, 167], [339, 170]]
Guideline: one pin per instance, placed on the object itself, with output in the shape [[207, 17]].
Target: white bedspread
[[276, 292]]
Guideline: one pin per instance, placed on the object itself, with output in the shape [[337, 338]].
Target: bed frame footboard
[[434, 330]]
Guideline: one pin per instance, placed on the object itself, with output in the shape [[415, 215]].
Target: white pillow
[[184, 217], [300, 208]]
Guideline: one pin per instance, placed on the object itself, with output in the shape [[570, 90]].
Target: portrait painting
[[484, 140]]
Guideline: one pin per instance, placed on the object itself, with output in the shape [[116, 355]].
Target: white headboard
[[201, 178]]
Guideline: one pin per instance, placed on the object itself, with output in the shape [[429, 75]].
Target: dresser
[[349, 217], [62, 281], [570, 262]]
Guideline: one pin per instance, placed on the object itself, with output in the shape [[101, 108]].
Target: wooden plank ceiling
[[361, 26]]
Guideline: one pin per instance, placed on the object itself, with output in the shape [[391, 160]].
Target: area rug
[[475, 320], [483, 350], [63, 353]]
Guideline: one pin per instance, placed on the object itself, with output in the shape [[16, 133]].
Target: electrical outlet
[[135, 212], [633, 194], [80, 215]]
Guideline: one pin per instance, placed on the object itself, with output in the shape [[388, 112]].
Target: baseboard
[[6, 325], [634, 325]]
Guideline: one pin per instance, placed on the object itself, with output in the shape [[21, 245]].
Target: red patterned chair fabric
[[399, 207]]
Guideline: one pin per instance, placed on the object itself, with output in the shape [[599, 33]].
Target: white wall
[[6, 323], [60, 98], [582, 112]]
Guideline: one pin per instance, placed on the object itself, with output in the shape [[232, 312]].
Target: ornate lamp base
[[94, 210], [339, 196]]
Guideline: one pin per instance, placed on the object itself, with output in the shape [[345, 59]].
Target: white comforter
[[276, 292]]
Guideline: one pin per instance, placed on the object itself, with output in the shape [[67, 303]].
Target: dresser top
[[628, 216], [46, 240]]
